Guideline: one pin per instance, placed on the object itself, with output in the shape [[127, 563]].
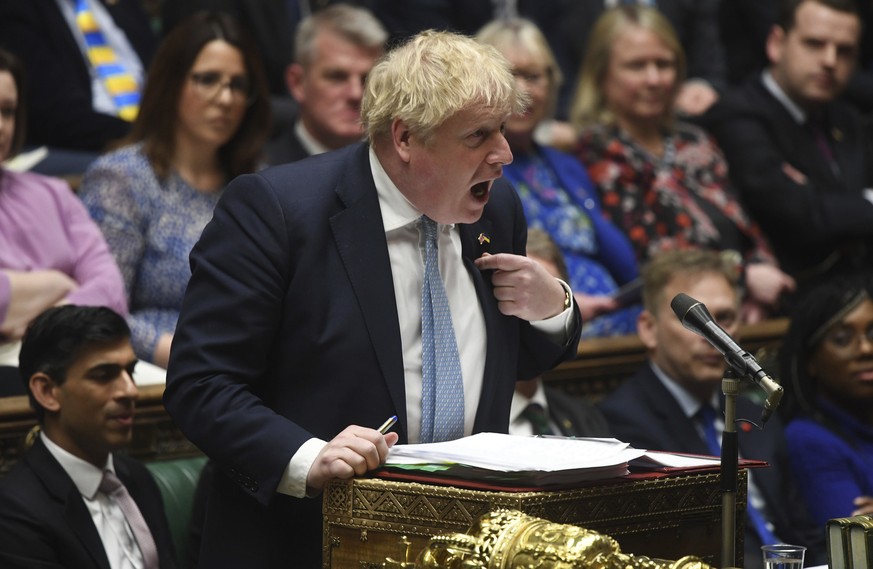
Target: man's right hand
[[353, 452]]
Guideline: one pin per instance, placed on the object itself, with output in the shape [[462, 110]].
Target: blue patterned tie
[[442, 390], [706, 415]]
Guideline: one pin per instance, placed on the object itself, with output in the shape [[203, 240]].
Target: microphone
[[695, 317]]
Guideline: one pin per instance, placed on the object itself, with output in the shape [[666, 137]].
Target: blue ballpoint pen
[[388, 424]]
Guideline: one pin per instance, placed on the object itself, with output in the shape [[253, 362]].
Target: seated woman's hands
[[32, 292], [765, 284]]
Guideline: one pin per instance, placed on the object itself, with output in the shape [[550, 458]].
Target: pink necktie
[[113, 487]]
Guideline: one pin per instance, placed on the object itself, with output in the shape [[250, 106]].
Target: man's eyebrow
[[107, 367]]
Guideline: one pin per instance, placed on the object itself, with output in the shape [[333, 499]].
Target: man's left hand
[[522, 287]]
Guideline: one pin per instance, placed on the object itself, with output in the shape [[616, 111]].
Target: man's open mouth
[[480, 190]]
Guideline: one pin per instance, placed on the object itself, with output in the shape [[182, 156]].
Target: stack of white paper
[[524, 460]]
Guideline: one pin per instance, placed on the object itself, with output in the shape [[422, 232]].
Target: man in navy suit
[[798, 155], [77, 363], [658, 408], [301, 328]]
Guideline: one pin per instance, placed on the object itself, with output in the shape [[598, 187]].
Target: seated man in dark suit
[[61, 505], [334, 50], [800, 157], [664, 405]]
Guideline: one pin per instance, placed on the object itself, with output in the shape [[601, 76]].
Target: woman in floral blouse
[[663, 181], [556, 192]]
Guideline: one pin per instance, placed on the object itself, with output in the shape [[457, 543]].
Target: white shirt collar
[[308, 141], [520, 402], [798, 114], [85, 475], [690, 405], [397, 211]]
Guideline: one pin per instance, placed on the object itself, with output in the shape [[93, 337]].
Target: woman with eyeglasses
[[203, 119], [827, 371], [555, 190]]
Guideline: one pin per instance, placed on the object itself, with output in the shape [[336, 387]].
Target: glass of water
[[783, 556]]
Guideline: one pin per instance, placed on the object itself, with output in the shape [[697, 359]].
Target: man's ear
[[646, 325], [295, 79], [775, 44], [44, 390], [401, 138]]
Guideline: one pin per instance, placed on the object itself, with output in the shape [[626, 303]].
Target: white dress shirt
[[521, 426], [307, 141], [115, 533], [399, 218]]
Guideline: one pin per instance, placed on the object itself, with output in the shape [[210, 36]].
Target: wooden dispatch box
[[367, 519]]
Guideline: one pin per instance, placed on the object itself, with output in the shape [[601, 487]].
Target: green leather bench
[[177, 480]]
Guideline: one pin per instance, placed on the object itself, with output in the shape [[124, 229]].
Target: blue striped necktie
[[706, 416], [442, 389], [119, 82]]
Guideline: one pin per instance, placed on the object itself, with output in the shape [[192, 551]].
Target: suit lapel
[[476, 240], [55, 21], [848, 152], [797, 139], [681, 430], [360, 239], [61, 488]]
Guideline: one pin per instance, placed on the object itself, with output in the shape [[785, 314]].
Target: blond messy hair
[[432, 77], [690, 264]]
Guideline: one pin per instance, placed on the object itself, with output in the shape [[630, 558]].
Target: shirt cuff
[[868, 194], [293, 481], [558, 327]]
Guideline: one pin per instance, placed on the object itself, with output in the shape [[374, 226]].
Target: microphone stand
[[730, 386]]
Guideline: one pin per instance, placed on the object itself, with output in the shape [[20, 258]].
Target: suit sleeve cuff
[[559, 328], [293, 481]]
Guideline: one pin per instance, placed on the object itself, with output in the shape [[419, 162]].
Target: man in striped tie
[[84, 58]]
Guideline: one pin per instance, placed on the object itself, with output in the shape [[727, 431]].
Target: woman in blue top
[[557, 195], [827, 371], [203, 119]]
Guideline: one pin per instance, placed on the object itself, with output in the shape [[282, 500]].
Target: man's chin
[[711, 374]]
